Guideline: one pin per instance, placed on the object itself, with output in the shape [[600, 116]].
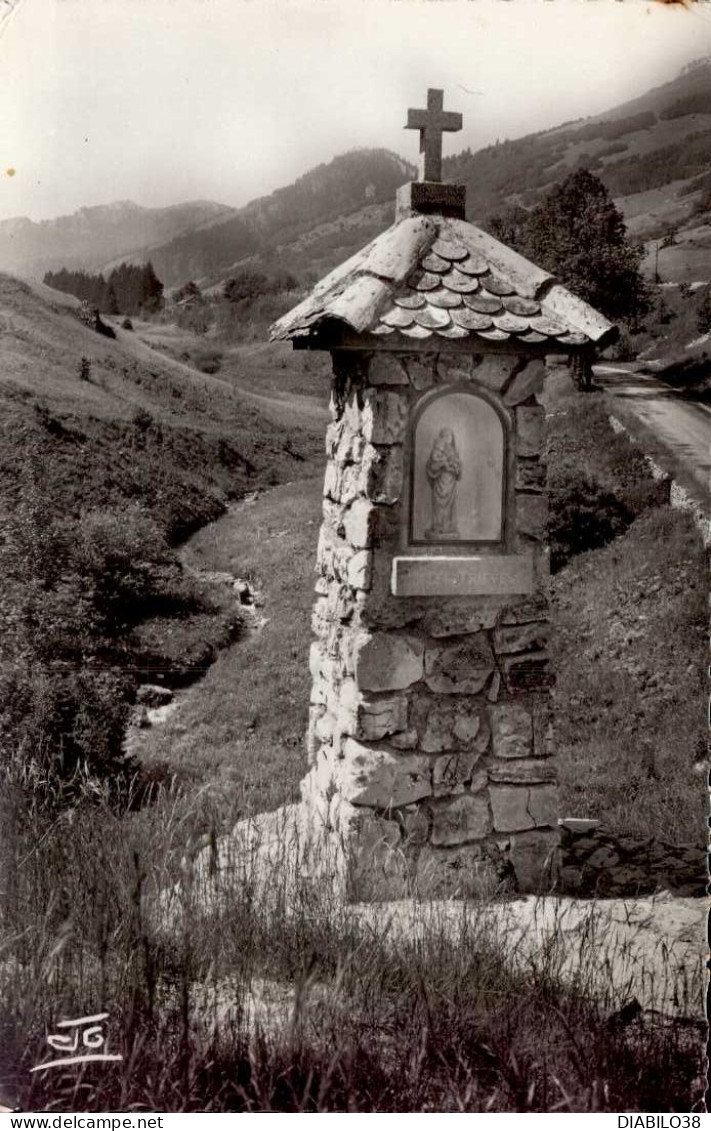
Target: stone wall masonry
[[429, 733], [593, 861]]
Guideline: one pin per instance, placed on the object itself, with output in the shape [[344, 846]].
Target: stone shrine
[[430, 734]]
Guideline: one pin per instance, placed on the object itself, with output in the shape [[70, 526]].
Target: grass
[[629, 645], [259, 1004], [241, 730], [145, 427], [629, 652], [257, 366]]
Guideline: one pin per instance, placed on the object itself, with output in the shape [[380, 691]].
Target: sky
[[164, 101]]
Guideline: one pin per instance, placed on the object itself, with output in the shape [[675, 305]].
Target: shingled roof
[[434, 276]]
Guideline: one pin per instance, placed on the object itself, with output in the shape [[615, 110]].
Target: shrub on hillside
[[73, 592], [623, 349], [207, 359], [583, 516], [598, 481], [126, 566], [249, 320], [62, 728], [252, 284]]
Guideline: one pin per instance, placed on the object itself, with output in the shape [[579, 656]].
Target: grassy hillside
[[143, 426], [634, 148], [110, 453]]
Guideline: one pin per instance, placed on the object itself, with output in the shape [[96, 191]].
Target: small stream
[[155, 702]]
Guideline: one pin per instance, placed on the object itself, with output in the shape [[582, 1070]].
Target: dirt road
[[683, 426]]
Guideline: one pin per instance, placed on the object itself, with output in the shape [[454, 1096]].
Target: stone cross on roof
[[432, 123]]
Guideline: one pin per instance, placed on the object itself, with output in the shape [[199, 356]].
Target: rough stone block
[[521, 637], [319, 663], [494, 371], [530, 430], [603, 857], [527, 383], [526, 771], [384, 369], [529, 671], [360, 524], [349, 483], [570, 880], [516, 807], [324, 725], [452, 724], [381, 474], [536, 860], [353, 415], [452, 771], [530, 475], [333, 436], [535, 608], [479, 782], [405, 740], [386, 661], [313, 744], [494, 688], [460, 670], [532, 515], [512, 731], [319, 617], [579, 826], [421, 371], [335, 408], [359, 570], [384, 417], [378, 777], [458, 618], [330, 481], [320, 690], [509, 805], [454, 370], [465, 819], [370, 719]]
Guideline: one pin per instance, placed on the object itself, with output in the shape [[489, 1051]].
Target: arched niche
[[458, 463]]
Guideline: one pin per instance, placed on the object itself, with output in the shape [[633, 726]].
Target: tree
[[188, 290], [112, 306], [579, 235], [152, 290]]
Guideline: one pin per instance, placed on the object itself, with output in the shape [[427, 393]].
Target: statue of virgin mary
[[443, 470]]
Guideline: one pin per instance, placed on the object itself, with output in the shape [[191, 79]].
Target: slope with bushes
[[109, 454]]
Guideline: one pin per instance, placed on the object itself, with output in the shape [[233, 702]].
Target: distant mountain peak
[[695, 65]]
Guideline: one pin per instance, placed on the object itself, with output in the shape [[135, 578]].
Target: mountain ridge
[[652, 152]]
